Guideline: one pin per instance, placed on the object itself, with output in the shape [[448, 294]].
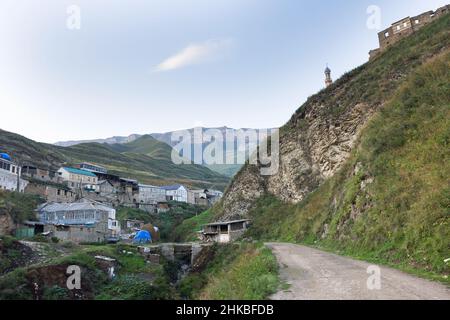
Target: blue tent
[[143, 236]]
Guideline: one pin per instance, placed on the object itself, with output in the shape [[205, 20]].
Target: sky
[[72, 70]]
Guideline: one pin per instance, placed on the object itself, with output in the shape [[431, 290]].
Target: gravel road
[[317, 275]]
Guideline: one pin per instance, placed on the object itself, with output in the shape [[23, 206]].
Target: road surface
[[316, 275]]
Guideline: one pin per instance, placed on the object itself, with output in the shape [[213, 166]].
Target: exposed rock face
[[6, 224], [321, 135], [314, 152], [313, 146], [247, 186]]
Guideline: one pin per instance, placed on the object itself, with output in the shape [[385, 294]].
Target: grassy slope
[[18, 205], [401, 218], [131, 271], [237, 271], [186, 231], [145, 159]]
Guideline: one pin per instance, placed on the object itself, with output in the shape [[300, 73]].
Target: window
[[386, 34], [417, 21], [405, 24], [398, 27]]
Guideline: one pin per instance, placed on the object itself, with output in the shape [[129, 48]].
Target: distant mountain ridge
[[111, 140], [145, 159], [165, 137], [228, 170]]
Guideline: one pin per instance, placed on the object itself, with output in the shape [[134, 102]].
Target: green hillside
[[146, 145], [145, 159], [391, 201]]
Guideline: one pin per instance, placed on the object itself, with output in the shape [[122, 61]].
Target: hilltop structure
[[328, 80], [405, 27]]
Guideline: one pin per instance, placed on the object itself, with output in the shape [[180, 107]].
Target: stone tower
[[328, 79]]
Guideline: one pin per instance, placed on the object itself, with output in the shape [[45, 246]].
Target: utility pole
[[18, 172]]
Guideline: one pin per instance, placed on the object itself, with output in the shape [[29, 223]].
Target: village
[[80, 203]]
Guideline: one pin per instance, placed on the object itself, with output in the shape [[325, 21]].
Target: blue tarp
[[5, 156], [143, 236]]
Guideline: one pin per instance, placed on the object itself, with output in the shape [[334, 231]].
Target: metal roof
[[173, 187], [227, 222], [75, 206], [79, 171]]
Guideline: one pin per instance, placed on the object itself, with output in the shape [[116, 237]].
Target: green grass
[[187, 230], [135, 279], [402, 217], [19, 206], [240, 271]]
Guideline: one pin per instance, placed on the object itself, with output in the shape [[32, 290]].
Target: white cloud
[[195, 54]]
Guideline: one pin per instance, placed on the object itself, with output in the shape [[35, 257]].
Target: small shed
[[224, 232]]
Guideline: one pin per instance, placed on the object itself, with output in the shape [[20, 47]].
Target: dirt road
[[314, 274]]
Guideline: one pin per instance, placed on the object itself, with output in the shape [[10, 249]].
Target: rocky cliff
[[322, 133]]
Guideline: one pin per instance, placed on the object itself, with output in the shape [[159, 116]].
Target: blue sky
[[153, 66]]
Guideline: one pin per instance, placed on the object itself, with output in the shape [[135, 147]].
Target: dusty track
[[314, 274]]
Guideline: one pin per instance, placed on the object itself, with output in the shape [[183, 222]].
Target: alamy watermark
[[228, 147], [374, 20], [374, 280], [74, 280], [73, 21]]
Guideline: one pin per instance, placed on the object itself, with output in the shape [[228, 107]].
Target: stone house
[[128, 193], [204, 197], [149, 194], [106, 188], [35, 173], [51, 192]]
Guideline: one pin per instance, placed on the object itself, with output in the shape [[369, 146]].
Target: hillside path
[[318, 275]]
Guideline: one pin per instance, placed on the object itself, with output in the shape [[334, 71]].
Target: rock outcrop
[[321, 135], [6, 224]]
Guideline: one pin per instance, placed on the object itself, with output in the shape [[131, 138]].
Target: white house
[[176, 193], [9, 173]]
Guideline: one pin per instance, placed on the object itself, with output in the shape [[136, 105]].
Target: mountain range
[[144, 158], [228, 170]]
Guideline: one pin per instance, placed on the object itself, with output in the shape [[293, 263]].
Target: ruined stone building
[[405, 27], [51, 192]]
